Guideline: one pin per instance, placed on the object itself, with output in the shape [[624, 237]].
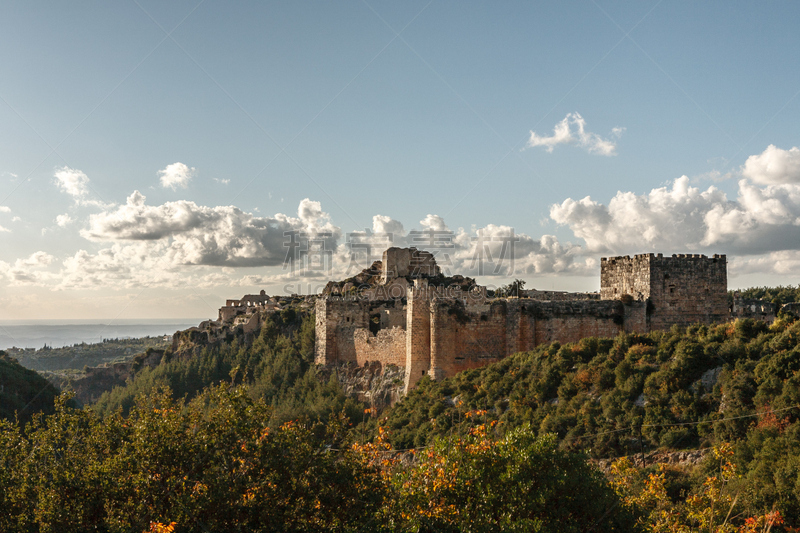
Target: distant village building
[[247, 305]]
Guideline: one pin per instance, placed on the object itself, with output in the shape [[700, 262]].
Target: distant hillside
[[77, 356], [596, 393], [23, 392], [276, 361]]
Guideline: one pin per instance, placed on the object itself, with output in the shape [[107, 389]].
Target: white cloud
[[5, 209], [773, 166], [433, 222], [572, 130], [223, 181], [760, 220], [387, 225], [176, 175], [4, 230], [28, 270], [487, 252], [76, 183], [785, 262], [218, 236], [664, 218], [63, 220], [72, 181], [182, 245]]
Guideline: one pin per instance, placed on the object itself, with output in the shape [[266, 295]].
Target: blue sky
[[237, 123]]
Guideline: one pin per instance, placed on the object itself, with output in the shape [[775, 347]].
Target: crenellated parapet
[[680, 289]]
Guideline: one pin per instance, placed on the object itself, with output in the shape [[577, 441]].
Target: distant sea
[[58, 333]]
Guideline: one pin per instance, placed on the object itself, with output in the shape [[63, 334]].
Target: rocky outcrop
[[684, 460], [98, 379], [379, 386]]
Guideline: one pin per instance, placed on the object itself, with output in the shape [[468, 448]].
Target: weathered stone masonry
[[682, 289], [441, 330]]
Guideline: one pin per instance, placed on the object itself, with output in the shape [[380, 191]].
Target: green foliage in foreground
[[278, 367], [214, 464], [680, 389], [23, 392], [519, 482]]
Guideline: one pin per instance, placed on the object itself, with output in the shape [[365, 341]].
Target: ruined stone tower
[[682, 289], [418, 334], [407, 263]]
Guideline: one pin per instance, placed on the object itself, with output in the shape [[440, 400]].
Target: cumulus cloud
[[663, 218], [73, 182], [387, 225], [63, 220], [181, 245], [176, 175], [773, 166], [76, 183], [433, 222], [681, 217], [492, 251], [572, 130], [28, 270], [218, 236], [781, 263], [499, 250]]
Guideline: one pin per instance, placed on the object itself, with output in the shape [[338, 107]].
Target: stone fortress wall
[[403, 312], [360, 331], [455, 335], [436, 329]]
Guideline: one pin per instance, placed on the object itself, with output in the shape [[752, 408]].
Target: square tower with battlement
[[682, 289]]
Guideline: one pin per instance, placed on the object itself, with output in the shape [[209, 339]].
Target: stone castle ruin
[[402, 311]]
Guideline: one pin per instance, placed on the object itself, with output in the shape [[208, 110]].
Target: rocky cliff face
[[378, 385], [685, 460], [99, 379]]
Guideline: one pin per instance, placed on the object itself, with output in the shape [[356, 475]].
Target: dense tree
[[23, 392], [212, 464], [517, 483], [681, 389]]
